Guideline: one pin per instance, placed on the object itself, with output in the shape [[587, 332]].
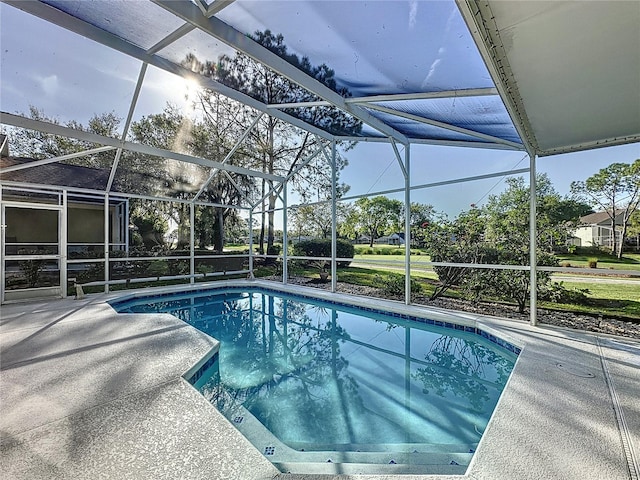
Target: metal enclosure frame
[[199, 16]]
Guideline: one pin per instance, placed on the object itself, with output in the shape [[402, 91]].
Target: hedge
[[321, 247]]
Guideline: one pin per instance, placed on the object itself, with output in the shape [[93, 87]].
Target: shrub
[[565, 264], [158, 268], [394, 285], [592, 250], [321, 247], [593, 262], [556, 292]]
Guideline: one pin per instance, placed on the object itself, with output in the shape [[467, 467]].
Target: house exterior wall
[[595, 235], [585, 234]]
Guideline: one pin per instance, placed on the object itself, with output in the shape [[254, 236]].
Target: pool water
[[326, 377]]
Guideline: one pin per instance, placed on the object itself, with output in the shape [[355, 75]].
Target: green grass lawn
[[610, 299], [629, 261]]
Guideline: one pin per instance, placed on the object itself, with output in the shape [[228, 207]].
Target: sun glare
[[182, 92]]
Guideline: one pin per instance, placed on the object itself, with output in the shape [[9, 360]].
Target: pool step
[[369, 468], [379, 458], [387, 447]]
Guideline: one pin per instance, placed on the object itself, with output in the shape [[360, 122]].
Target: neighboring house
[[363, 239], [595, 230], [393, 239]]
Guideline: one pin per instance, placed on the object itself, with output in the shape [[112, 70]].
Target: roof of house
[[601, 218], [56, 173]]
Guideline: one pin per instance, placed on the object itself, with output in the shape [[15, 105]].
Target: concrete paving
[[88, 393]]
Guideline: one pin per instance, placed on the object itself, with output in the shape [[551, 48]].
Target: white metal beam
[[438, 143], [334, 219], [113, 195], [285, 253], [39, 163], [471, 92], [442, 183], [317, 103], [172, 37], [396, 97], [405, 174], [446, 126], [407, 225], [216, 6], [533, 254], [218, 29], [466, 144], [18, 121]]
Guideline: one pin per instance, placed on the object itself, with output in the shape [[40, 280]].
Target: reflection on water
[[316, 376]]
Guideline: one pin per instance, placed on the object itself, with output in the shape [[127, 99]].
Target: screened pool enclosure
[[276, 96]]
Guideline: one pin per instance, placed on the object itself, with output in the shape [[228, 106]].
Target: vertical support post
[[3, 228], [407, 374], [285, 237], [407, 224], [251, 243], [334, 219], [62, 245], [533, 258], [192, 241], [106, 242], [126, 221]]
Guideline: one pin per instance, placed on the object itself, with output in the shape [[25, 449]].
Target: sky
[[72, 78]]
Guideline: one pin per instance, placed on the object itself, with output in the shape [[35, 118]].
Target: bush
[[556, 292], [394, 285], [592, 250], [321, 247]]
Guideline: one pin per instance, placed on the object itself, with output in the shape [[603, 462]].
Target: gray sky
[[72, 78]]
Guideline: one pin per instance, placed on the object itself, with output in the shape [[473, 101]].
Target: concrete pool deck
[[89, 393]]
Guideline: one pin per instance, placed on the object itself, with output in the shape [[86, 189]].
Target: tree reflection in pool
[[321, 376]]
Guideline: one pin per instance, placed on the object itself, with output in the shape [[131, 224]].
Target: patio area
[[88, 393]]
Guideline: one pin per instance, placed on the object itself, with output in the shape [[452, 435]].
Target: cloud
[[49, 84], [413, 13]]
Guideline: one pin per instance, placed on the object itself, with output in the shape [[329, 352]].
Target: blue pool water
[[327, 377]]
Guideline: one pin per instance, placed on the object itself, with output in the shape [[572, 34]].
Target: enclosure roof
[[569, 72], [548, 77]]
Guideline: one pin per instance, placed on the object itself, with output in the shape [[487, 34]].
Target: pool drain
[[576, 371]]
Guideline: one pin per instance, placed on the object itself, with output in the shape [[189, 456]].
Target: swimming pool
[[313, 384]]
